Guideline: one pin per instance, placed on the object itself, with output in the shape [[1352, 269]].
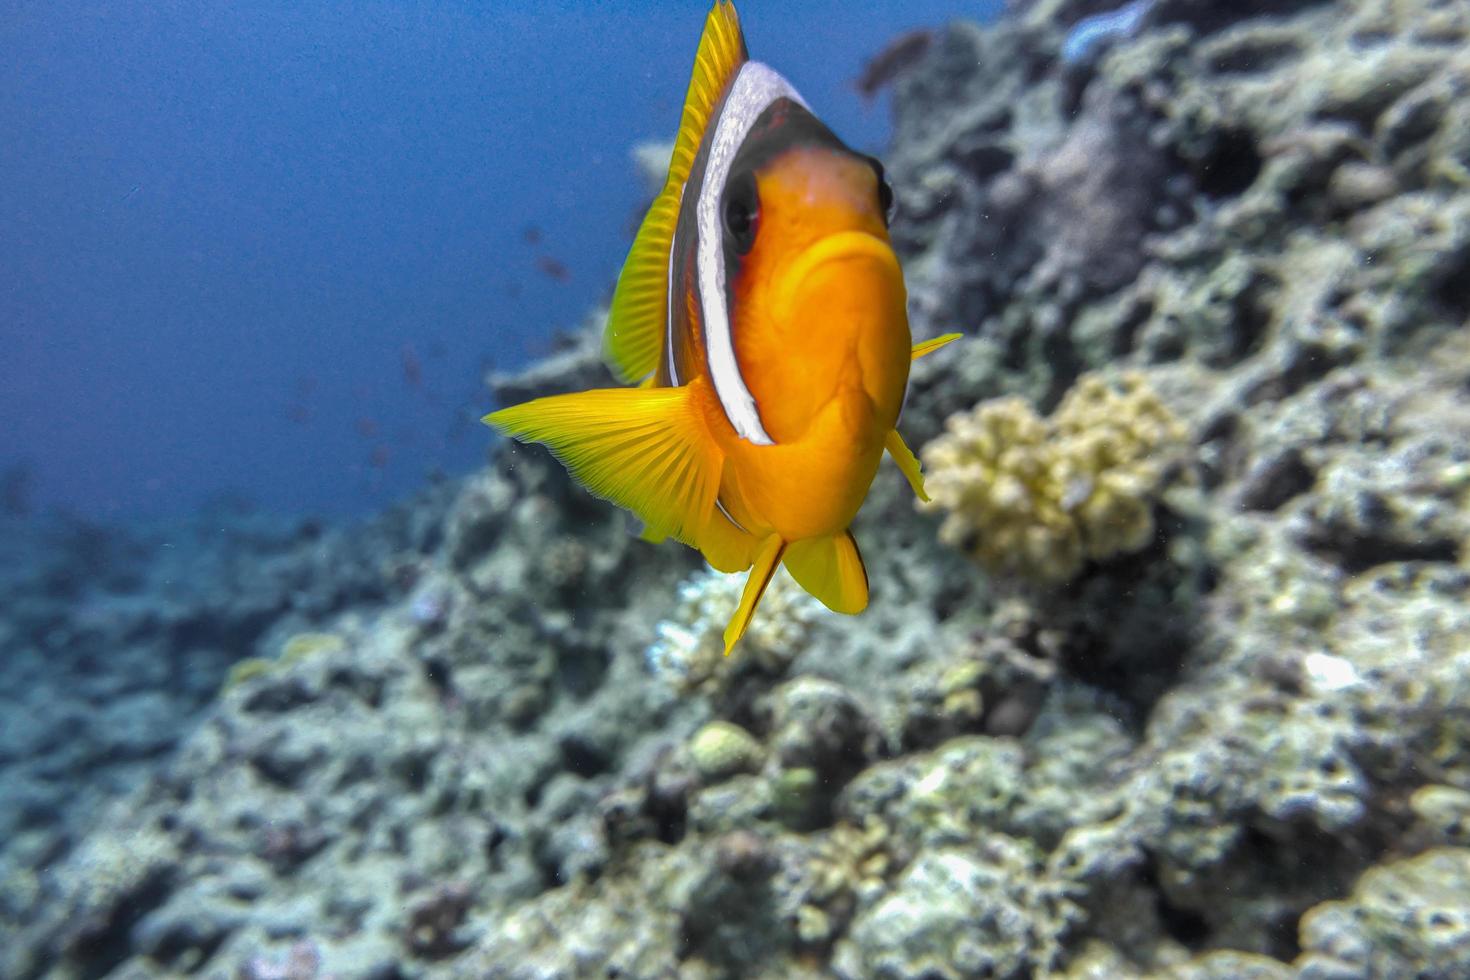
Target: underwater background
[[304, 673]]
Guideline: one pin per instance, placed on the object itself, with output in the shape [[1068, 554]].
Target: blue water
[[267, 249]]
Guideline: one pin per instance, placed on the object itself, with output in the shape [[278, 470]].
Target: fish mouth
[[848, 260]]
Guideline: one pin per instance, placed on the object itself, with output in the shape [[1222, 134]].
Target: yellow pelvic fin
[[726, 546], [646, 449], [930, 346], [766, 560], [907, 462], [831, 569], [639, 314]]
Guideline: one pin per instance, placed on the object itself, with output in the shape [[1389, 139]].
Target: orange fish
[[413, 369], [761, 316]]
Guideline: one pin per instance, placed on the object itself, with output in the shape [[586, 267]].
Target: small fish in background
[[367, 428], [413, 368], [379, 457], [299, 407], [1090, 36], [761, 320], [531, 235], [896, 58], [461, 422], [17, 484], [552, 269]]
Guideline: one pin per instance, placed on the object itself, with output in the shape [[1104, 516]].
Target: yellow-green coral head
[[1036, 498]]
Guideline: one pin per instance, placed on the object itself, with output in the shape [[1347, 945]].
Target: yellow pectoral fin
[[646, 449], [930, 346], [831, 569], [766, 560], [907, 462]]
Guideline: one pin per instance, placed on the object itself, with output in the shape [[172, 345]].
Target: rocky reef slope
[[1238, 749]]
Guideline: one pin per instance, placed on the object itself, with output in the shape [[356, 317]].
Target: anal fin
[[766, 561], [830, 568]]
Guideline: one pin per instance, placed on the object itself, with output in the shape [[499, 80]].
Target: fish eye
[[742, 211], [885, 190]]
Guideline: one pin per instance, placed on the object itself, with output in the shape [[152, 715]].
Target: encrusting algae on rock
[[1037, 497], [297, 648]]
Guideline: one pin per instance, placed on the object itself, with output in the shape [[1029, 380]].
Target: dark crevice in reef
[[181, 942], [1230, 166], [1127, 334], [582, 758], [581, 671], [99, 950], [1356, 554], [1132, 624], [1209, 18], [1453, 289], [278, 698], [1276, 480], [1060, 353], [1255, 57], [1187, 928]]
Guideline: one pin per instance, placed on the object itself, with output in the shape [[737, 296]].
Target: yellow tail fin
[[766, 561], [907, 462], [930, 346], [645, 449], [831, 569]]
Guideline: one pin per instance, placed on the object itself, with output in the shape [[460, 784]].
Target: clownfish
[[761, 319]]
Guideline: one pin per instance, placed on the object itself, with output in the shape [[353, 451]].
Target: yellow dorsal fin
[[637, 320], [645, 449], [907, 462], [930, 346], [766, 560], [831, 569]]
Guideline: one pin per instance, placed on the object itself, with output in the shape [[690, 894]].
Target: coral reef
[[1228, 740], [689, 651], [1035, 498]]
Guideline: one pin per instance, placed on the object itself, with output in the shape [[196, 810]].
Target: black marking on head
[[683, 277], [885, 190], [740, 213], [785, 124]]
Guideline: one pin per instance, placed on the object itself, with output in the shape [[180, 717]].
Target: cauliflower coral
[[1036, 497]]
